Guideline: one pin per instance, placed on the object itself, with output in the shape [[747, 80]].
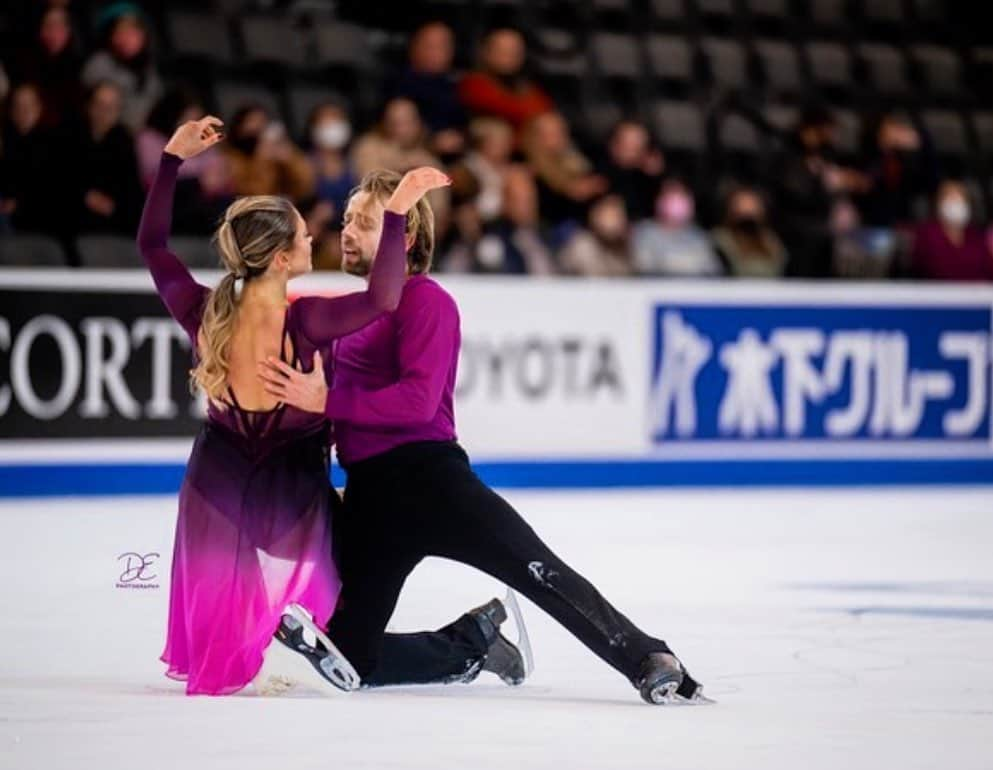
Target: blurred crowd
[[83, 131]]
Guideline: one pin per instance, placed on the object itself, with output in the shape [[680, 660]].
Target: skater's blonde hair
[[253, 230], [380, 184]]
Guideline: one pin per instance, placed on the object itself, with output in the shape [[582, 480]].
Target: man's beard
[[361, 267]]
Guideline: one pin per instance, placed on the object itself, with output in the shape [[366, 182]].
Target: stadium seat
[[717, 15], [617, 56], [883, 19], [601, 118], [680, 125], [268, 39], [107, 251], [982, 125], [780, 65], [829, 16], [344, 45], [727, 62], [947, 131], [670, 57], [669, 13], [736, 134], [195, 252], [940, 68], [885, 67], [830, 64], [26, 250], [200, 35], [782, 118], [561, 63]]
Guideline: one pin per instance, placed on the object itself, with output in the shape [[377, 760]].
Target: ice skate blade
[[334, 664], [667, 696], [285, 672], [523, 642]]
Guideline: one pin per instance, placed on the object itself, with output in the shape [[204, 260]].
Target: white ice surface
[[838, 630]]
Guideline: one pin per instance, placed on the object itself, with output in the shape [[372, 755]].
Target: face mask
[[954, 211], [676, 208], [332, 135]]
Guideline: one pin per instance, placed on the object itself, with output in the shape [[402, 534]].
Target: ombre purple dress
[[253, 532]]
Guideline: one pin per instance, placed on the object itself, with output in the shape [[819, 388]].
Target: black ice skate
[[663, 680], [316, 663], [503, 657]]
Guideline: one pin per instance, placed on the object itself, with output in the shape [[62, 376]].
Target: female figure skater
[[253, 532]]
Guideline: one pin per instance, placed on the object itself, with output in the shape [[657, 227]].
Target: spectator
[[203, 184], [398, 142], [329, 131], [499, 87], [52, 62], [672, 243], [601, 249], [125, 59], [633, 168], [748, 245], [109, 188], [429, 82], [901, 168], [810, 177], [947, 247], [510, 244], [566, 182], [262, 160], [859, 251], [29, 197], [485, 166]]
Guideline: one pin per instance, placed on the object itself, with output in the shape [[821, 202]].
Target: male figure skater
[[411, 492]]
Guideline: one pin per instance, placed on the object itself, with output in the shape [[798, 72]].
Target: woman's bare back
[[259, 332]]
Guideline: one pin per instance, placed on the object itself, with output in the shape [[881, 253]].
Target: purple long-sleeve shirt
[[319, 320], [394, 381]]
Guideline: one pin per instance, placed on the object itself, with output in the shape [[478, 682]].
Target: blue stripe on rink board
[[49, 480]]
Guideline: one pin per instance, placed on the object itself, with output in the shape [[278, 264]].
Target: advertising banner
[[561, 382]]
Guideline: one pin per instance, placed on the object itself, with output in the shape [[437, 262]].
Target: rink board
[[562, 383]]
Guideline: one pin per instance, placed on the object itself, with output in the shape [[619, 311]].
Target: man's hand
[[308, 392]]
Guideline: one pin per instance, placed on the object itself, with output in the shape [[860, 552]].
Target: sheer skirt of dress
[[253, 535]]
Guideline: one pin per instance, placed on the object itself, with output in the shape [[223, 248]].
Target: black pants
[[423, 499]]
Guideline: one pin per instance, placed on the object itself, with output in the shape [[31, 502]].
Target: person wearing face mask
[[602, 248], [672, 244], [126, 60], [511, 243], [329, 133], [746, 242], [947, 248], [262, 160]]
